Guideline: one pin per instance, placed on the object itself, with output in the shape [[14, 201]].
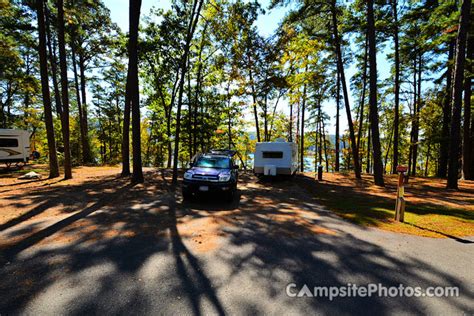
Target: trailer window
[[273, 154], [8, 142]]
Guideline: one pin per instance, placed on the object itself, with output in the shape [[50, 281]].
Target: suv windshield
[[213, 162]]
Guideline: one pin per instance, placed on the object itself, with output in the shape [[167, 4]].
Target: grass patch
[[431, 211]]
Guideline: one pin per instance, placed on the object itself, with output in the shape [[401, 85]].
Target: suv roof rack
[[225, 152]]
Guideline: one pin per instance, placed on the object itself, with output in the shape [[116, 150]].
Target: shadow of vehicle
[[210, 201]]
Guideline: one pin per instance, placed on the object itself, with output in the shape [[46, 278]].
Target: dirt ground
[[29, 206], [97, 232]]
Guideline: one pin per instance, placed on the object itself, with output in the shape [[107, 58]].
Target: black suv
[[213, 172]]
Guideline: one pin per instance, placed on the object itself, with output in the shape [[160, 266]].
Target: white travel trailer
[[275, 158], [14, 146]]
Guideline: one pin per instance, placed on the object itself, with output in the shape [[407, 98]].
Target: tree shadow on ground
[[461, 240], [287, 234], [117, 223], [44, 198], [322, 260], [368, 208], [119, 248]]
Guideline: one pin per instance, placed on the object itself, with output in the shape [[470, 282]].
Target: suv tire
[[187, 196], [230, 196]]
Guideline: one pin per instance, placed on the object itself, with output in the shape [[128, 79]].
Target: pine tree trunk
[[189, 122], [86, 151], [410, 151], [265, 119], [2, 114], [416, 130], [453, 161], [362, 100], [387, 153], [297, 136], [472, 143], [290, 132], [48, 116], [374, 116], [52, 62], [198, 90], [82, 128], [178, 121], [280, 94], [119, 121], [191, 28], [134, 18], [326, 160], [368, 168], [338, 98], [126, 130], [467, 143], [64, 92], [318, 135], [340, 68], [101, 133], [343, 150], [413, 121], [303, 108], [254, 103], [168, 111], [27, 98], [254, 93], [168, 133], [427, 159], [320, 148], [444, 144], [396, 120], [229, 121], [316, 124]]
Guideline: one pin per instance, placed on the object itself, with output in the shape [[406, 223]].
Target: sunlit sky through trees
[[267, 24]]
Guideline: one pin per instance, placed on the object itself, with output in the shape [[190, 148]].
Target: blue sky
[[266, 24], [119, 13]]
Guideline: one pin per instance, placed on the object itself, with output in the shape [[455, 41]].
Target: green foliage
[[232, 74]]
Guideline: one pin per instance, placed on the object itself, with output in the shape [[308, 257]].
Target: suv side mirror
[[191, 165], [235, 167]]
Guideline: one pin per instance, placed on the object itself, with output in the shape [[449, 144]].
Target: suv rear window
[[8, 142], [272, 154]]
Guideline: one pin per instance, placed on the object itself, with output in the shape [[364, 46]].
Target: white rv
[[14, 146], [275, 158]]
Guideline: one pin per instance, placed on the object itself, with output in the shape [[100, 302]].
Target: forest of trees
[[200, 75]]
